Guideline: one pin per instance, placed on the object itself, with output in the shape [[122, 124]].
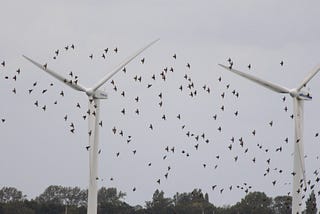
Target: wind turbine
[[94, 96], [298, 96]]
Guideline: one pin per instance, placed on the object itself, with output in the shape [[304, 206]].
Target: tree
[[51, 195], [193, 202], [74, 196], [254, 202], [11, 194], [110, 195], [159, 203], [311, 204], [110, 201], [282, 205], [71, 196]]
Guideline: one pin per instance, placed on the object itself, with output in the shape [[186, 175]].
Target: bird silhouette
[[114, 130], [164, 117], [123, 111]]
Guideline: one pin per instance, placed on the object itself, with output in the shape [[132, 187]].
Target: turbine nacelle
[[99, 94], [301, 95]]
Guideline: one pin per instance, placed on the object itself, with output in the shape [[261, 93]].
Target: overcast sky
[[38, 149]]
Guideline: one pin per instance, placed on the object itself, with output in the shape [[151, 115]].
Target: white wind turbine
[[298, 96], [94, 96]]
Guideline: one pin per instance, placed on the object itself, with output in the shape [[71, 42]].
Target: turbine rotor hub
[[90, 92], [294, 92]]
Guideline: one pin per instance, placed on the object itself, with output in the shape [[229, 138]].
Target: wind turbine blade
[[66, 81], [312, 73], [272, 86], [121, 65]]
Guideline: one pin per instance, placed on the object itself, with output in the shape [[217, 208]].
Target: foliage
[[63, 196], [110, 195], [159, 203], [72, 200], [254, 202], [10, 194], [282, 205], [193, 202], [311, 204], [109, 201]]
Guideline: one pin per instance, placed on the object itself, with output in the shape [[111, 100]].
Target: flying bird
[[281, 63]]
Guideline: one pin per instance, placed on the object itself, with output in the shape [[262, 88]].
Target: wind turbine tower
[[94, 95], [299, 96]]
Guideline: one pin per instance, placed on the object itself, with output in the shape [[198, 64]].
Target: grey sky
[[37, 148]]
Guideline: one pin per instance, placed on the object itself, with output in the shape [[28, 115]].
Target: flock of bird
[[193, 142]]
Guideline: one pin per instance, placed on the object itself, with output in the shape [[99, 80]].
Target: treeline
[[73, 200]]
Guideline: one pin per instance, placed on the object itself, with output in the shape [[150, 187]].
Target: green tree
[[254, 202], [110, 201], [13, 201], [51, 195], [159, 203], [311, 204], [59, 199], [74, 196], [11, 194], [110, 195], [193, 202], [282, 205], [15, 208]]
